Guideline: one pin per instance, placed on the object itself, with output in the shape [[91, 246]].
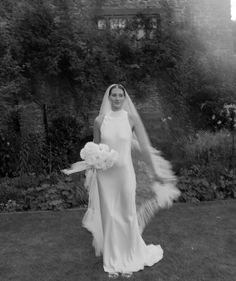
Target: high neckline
[[116, 113]]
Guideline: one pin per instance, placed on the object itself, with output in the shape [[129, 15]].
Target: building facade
[[212, 18]]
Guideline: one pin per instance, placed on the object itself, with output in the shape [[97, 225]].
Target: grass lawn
[[199, 243]]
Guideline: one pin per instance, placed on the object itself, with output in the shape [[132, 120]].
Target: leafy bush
[[63, 195], [202, 162], [9, 147], [67, 63], [198, 184], [64, 142], [31, 154], [203, 148], [41, 193], [9, 192]]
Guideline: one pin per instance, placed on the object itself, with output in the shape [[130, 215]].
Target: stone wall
[[211, 17]]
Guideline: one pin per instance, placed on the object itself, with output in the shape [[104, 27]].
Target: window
[[117, 23], [141, 34], [102, 24], [137, 26], [153, 23], [122, 23], [114, 23]]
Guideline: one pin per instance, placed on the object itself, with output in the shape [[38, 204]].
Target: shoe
[[113, 275], [127, 274]]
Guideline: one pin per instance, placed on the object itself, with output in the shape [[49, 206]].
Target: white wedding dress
[[119, 237]]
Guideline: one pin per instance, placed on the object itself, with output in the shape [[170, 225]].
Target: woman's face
[[117, 98]]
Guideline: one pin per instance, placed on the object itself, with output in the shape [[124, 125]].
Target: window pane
[[122, 23], [153, 22], [140, 34], [114, 23], [102, 24]]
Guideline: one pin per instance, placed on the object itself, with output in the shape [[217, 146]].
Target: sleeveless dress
[[124, 250]]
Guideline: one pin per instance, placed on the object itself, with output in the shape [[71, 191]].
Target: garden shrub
[[65, 142], [9, 192], [9, 154], [42, 193], [192, 88], [10, 145], [31, 154], [203, 148], [202, 163], [63, 195], [201, 183]]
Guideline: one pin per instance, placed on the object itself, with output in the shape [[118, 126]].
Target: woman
[[112, 216]]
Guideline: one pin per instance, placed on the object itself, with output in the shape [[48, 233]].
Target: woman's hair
[[119, 86]]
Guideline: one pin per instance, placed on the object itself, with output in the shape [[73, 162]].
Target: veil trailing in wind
[[150, 196]]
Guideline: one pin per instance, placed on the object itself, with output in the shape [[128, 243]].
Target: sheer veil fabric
[[150, 196]]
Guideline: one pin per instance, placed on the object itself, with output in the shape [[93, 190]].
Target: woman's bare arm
[[96, 129]]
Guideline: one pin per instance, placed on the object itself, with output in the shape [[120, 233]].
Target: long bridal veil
[[150, 196]]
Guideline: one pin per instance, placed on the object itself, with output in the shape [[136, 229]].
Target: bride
[[112, 215]]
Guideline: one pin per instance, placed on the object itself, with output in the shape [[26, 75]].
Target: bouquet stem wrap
[[77, 167], [97, 156]]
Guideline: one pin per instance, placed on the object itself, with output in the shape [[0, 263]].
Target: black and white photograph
[[117, 140]]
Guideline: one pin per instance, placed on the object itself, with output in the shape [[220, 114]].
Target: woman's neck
[[116, 109], [116, 112]]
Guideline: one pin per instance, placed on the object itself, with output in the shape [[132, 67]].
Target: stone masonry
[[212, 18]]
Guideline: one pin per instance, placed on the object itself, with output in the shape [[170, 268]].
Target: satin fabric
[[123, 247]]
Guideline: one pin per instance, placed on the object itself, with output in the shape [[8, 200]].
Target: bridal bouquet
[[98, 156]]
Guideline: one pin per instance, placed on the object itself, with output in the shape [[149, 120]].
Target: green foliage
[[203, 163], [32, 153], [64, 142], [41, 193], [34, 31], [204, 183], [67, 62], [60, 196], [203, 148], [73, 50], [38, 46], [10, 146], [9, 192]]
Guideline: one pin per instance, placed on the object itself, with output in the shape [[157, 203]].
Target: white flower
[[104, 155], [92, 159], [104, 147], [113, 157], [99, 156], [89, 150], [82, 153], [109, 163], [100, 165]]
